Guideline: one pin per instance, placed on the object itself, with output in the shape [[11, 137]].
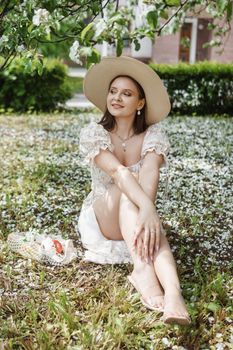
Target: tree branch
[[169, 19], [8, 61], [6, 9]]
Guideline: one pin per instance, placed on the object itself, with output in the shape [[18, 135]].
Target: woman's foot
[[175, 310], [147, 285]]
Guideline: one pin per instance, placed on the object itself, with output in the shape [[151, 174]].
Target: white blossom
[[4, 39], [100, 27], [21, 48], [74, 55], [41, 16], [141, 12]]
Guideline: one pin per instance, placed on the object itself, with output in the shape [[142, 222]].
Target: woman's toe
[[156, 302]]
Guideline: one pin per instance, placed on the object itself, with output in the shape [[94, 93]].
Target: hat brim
[[98, 77]]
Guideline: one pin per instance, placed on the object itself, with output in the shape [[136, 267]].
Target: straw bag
[[44, 248]]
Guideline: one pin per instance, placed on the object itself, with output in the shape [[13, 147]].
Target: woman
[[118, 222]]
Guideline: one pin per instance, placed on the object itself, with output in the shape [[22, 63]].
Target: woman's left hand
[[146, 242]]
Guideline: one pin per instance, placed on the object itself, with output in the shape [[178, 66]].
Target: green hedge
[[200, 88], [76, 84], [22, 89]]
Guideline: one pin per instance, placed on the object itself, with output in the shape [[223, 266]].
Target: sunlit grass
[[89, 306]]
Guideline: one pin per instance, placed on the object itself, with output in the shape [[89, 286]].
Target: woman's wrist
[[146, 203]]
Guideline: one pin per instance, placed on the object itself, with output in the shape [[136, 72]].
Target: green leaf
[[137, 45], [28, 66], [164, 14], [213, 306], [95, 56], [119, 46], [48, 36], [40, 68], [152, 19], [173, 2], [229, 10], [86, 30], [30, 28]]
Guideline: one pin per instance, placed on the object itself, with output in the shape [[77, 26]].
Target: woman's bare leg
[[163, 269], [117, 217], [166, 271], [164, 264], [143, 274]]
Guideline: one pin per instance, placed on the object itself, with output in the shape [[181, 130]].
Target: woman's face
[[123, 98]]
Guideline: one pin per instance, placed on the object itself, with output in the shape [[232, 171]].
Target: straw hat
[[99, 76]]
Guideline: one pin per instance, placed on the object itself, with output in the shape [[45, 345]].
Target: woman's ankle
[[173, 290]]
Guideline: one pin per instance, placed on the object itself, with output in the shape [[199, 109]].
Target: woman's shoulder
[[154, 128], [93, 129], [94, 133], [93, 137], [155, 133]]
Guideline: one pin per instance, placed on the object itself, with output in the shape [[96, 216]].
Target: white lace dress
[[93, 138]]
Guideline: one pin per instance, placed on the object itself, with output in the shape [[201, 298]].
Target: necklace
[[123, 144]]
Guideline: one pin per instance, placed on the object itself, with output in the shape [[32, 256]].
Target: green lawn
[[89, 306]]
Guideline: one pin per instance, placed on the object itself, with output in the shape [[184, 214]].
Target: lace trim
[[158, 150], [93, 138], [107, 252]]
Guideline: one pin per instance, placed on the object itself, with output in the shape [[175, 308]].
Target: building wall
[[166, 49], [227, 55]]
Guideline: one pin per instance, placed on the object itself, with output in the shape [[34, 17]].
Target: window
[[193, 35]]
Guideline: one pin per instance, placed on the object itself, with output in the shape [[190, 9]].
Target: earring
[[138, 112]]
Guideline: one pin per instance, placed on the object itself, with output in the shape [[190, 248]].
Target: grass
[[90, 306]]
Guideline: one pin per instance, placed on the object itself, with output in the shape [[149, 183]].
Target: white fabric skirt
[[99, 249]]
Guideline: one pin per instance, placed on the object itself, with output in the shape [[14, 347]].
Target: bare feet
[[175, 310], [148, 286]]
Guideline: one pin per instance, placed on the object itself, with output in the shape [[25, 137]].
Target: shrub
[[200, 88], [25, 89]]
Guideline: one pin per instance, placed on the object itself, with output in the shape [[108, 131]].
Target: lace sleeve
[[156, 140], [93, 138]]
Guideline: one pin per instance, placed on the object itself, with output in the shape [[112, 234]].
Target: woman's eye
[[125, 93]]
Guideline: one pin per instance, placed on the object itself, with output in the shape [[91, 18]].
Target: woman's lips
[[117, 106]]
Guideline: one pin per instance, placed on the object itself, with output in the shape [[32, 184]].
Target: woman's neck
[[124, 128]]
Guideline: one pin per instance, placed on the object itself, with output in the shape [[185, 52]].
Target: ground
[[90, 306]]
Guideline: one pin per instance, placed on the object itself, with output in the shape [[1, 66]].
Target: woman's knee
[[164, 244]]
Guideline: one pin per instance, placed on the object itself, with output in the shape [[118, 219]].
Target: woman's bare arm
[[150, 174], [149, 180], [123, 178]]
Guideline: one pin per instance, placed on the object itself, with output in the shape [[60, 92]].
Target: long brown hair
[[139, 125]]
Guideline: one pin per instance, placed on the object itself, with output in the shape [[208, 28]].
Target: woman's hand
[[141, 249], [147, 232]]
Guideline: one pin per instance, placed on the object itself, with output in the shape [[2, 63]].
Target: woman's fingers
[[140, 248], [158, 233], [152, 244], [146, 244], [137, 231]]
